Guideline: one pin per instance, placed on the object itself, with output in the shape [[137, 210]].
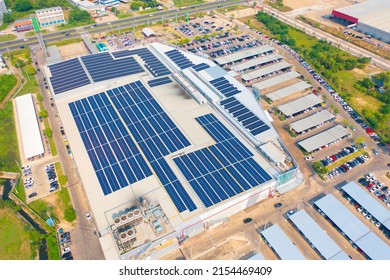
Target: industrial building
[[169, 134], [370, 17], [50, 16], [23, 24], [29, 127], [3, 9]]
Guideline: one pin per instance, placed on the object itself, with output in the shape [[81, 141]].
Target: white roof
[[374, 247], [276, 80], [312, 121], [372, 12], [147, 31], [29, 128], [323, 138], [282, 245], [316, 235], [256, 61], [243, 54], [363, 198], [286, 91], [266, 70], [300, 104], [342, 217], [275, 153]]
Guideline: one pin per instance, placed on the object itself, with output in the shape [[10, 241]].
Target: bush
[[43, 114], [22, 5], [7, 82], [8, 18], [319, 168], [30, 69], [48, 132], [62, 179], [70, 214]]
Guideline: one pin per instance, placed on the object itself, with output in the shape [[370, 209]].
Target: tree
[[77, 15], [319, 168], [70, 214], [8, 18], [48, 132], [43, 114], [22, 5]]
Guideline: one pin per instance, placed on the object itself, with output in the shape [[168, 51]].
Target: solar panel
[[67, 75], [114, 156], [156, 134], [224, 86], [159, 82], [179, 59], [200, 67], [252, 123], [223, 170]]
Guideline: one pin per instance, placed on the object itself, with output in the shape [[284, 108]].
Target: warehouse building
[[370, 17], [50, 16], [161, 135]]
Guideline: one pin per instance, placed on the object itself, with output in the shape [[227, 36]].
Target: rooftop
[[299, 105], [311, 121], [276, 80], [269, 69], [281, 244], [289, 90], [237, 56]]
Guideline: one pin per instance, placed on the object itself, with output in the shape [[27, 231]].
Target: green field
[[9, 152], [183, 3], [14, 238], [7, 82], [7, 37]]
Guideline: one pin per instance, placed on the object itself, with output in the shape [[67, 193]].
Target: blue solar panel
[[156, 134], [223, 170], [225, 87], [159, 82], [201, 67], [252, 123], [67, 75], [103, 66], [179, 59], [114, 157]]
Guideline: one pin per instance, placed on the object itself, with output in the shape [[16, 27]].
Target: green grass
[[148, 11], [31, 85], [52, 144], [7, 82], [7, 37], [19, 191], [125, 15], [65, 42], [32, 32], [9, 152], [302, 39], [14, 237], [281, 7], [345, 159], [183, 3]]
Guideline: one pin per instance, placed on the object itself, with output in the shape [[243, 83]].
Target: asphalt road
[[120, 24], [85, 244]]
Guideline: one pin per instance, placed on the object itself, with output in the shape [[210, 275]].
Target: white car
[[66, 250], [360, 209], [365, 213], [88, 216]]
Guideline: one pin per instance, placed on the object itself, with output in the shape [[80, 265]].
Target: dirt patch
[[242, 13], [294, 4], [57, 204], [73, 50], [227, 250]]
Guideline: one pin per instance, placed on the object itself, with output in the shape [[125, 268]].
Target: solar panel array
[[154, 66], [224, 86], [200, 67], [103, 66], [159, 82], [115, 158], [67, 75], [156, 135], [223, 170], [179, 59], [244, 116]]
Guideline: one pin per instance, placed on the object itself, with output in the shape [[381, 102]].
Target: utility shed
[[29, 128], [148, 32]]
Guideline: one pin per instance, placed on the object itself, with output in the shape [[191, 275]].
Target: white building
[[3, 9], [50, 16]]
